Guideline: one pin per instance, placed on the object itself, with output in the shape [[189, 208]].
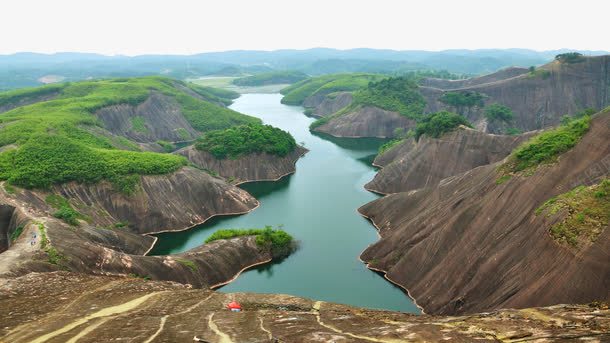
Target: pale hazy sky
[[134, 27]]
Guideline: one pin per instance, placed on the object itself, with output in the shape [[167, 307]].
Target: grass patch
[[54, 256], [15, 234], [389, 145], [62, 140], [278, 241], [439, 123], [167, 146], [246, 139], [10, 189], [503, 179], [138, 124], [586, 210], [297, 93], [397, 94], [547, 146], [189, 264], [183, 134], [65, 211]]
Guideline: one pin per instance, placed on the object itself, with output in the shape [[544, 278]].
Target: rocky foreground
[[67, 307]]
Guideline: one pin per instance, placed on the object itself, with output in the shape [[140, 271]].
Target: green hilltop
[[62, 140]]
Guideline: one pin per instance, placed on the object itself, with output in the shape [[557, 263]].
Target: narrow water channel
[[317, 205]]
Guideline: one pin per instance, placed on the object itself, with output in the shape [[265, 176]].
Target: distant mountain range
[[26, 68]]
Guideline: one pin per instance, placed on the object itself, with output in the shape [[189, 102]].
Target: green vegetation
[[10, 189], [138, 124], [61, 140], [462, 100], [54, 256], [15, 234], [14, 97], [167, 146], [183, 133], [389, 145], [278, 241], [397, 94], [326, 84], [319, 122], [216, 95], [246, 139], [541, 73], [513, 131], [586, 212], [188, 263], [570, 57], [270, 78], [547, 146], [436, 124], [64, 211], [498, 112]]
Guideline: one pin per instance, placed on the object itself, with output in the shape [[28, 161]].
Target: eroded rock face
[[58, 307], [161, 117], [323, 105], [412, 165], [252, 167], [366, 122], [537, 101], [472, 244], [171, 202]]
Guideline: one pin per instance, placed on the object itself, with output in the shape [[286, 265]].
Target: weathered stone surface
[[412, 165], [162, 117], [323, 105], [366, 122], [64, 307], [471, 244], [252, 167]]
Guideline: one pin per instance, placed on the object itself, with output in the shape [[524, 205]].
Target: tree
[[436, 124], [499, 112]]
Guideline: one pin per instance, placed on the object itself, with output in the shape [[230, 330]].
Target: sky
[[134, 27]]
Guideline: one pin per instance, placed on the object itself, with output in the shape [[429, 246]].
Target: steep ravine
[[474, 244]]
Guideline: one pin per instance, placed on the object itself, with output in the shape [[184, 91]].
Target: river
[[317, 206]]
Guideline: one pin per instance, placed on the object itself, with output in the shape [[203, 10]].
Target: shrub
[[570, 57], [460, 100], [436, 124], [246, 139], [586, 211], [278, 241], [297, 93], [389, 145], [188, 263], [138, 124], [397, 94], [61, 139], [64, 211], [547, 146], [167, 146], [15, 234], [498, 112]]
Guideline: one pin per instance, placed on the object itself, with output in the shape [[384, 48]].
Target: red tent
[[234, 306]]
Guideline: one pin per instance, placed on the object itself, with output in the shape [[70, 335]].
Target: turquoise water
[[317, 205]]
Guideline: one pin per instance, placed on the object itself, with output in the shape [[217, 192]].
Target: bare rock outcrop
[[323, 105], [62, 307], [251, 167], [412, 165], [366, 122], [474, 244]]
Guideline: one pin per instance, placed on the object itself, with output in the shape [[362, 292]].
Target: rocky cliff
[[473, 243], [252, 167], [412, 165], [64, 307], [366, 122], [323, 105], [537, 100]]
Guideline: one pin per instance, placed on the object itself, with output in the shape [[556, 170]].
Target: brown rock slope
[[412, 165], [539, 100], [63, 307], [366, 122], [252, 167], [472, 244], [97, 246], [323, 105], [161, 116]]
